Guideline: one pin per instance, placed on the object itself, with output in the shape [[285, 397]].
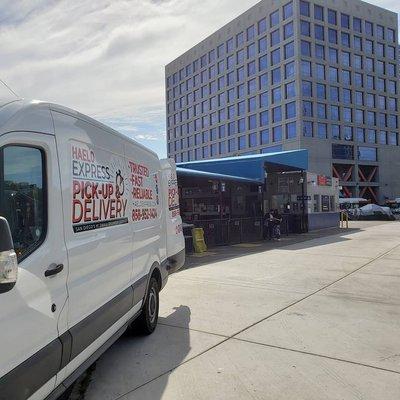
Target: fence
[[219, 232]]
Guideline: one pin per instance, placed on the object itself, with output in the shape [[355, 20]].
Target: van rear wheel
[[147, 321]]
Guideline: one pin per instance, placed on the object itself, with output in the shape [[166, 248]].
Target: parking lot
[[310, 317]]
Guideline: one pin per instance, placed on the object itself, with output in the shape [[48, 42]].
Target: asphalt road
[[311, 317]]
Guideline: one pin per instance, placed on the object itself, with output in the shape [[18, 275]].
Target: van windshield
[[22, 196]]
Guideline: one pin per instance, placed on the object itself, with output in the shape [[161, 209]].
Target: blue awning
[[251, 167], [211, 175]]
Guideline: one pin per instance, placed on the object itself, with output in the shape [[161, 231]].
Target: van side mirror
[[8, 258]]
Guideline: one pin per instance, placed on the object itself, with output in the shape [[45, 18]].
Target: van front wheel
[[147, 321]]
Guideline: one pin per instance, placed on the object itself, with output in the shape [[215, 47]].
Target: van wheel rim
[[152, 305]]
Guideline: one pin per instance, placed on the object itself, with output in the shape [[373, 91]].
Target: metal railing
[[219, 232]]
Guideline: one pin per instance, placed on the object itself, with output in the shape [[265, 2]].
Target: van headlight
[[8, 267]]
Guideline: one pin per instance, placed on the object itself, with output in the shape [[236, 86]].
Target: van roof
[[13, 109]]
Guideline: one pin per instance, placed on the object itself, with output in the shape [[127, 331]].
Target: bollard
[[199, 243]]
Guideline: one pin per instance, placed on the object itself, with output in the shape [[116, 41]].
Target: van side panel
[[147, 210], [97, 230]]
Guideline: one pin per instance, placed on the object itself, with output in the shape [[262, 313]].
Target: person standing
[[277, 218]]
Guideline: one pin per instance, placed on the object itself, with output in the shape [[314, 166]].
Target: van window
[[22, 196]]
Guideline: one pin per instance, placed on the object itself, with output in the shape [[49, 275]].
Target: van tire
[[147, 321]]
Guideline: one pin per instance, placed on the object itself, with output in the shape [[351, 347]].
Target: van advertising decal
[[109, 190], [145, 192], [98, 189], [173, 195]]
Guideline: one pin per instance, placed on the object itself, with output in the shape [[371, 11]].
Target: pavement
[[311, 317]]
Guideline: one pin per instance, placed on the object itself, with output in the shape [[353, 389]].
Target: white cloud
[[106, 58]]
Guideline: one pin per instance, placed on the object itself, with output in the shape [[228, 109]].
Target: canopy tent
[[252, 167]]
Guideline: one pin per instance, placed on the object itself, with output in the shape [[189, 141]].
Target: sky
[[106, 58]]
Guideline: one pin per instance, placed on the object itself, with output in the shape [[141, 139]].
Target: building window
[[288, 30], [345, 21], [307, 108], [276, 56], [360, 134], [380, 32], [263, 81], [332, 17], [318, 12], [277, 133], [250, 33], [322, 131], [262, 26], [305, 28], [277, 114], [251, 50], [274, 18], [275, 37], [251, 68], [305, 68], [291, 130], [264, 136], [264, 100], [321, 91], [291, 110], [307, 129], [320, 51], [253, 140], [289, 50], [304, 8], [305, 48], [307, 88], [262, 45], [369, 28], [345, 39], [289, 70], [382, 137], [332, 36], [371, 136], [288, 10], [242, 142], [276, 76], [263, 63], [333, 55], [320, 71], [335, 132], [231, 145], [252, 122], [367, 153], [342, 151], [391, 35], [264, 118], [290, 90], [392, 138], [319, 32], [348, 133], [276, 95], [357, 24], [252, 104]]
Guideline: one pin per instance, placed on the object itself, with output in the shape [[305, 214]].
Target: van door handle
[[54, 269]]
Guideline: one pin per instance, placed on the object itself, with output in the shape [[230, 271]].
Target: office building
[[285, 75]]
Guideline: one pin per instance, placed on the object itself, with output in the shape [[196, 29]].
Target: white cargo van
[[89, 232]]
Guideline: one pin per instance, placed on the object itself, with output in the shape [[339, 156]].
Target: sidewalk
[[307, 320]]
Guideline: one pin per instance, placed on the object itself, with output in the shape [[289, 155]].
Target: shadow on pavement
[[133, 361], [291, 242]]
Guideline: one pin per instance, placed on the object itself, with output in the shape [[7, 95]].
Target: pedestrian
[[270, 224], [277, 218]]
